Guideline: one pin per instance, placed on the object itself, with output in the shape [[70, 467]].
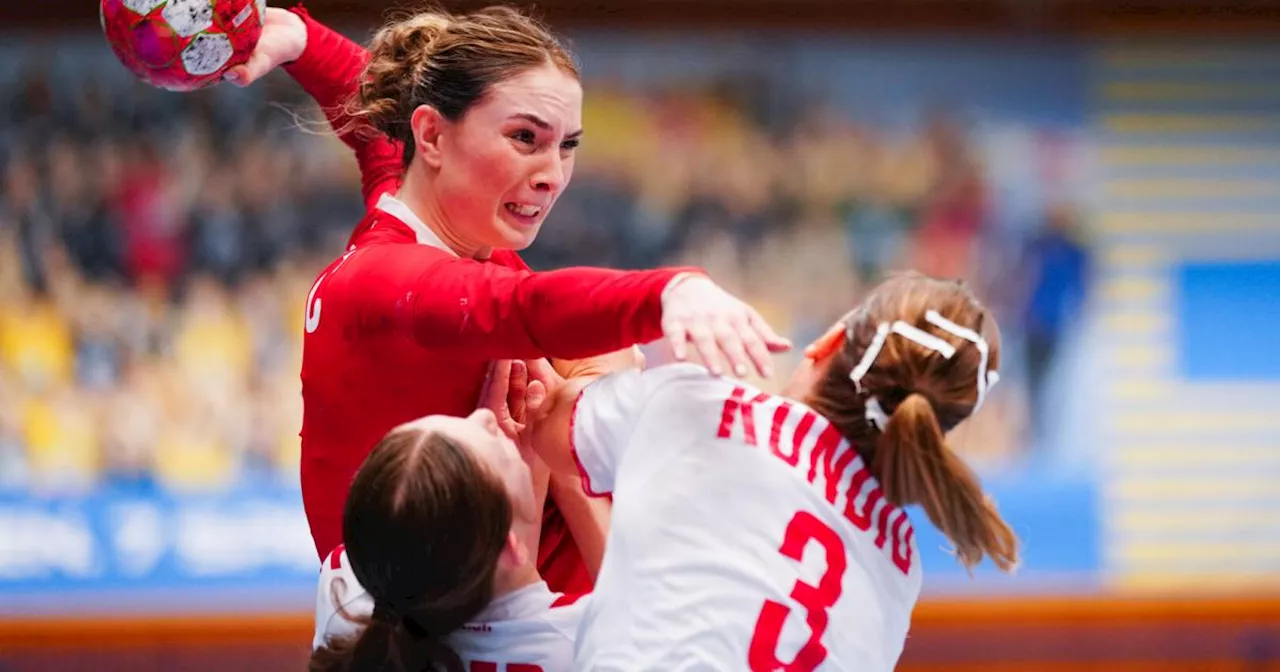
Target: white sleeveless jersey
[[746, 533], [529, 630]]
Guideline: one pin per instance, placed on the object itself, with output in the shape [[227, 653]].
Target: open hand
[[721, 326]]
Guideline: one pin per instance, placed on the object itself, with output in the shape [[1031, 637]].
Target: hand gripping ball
[[182, 45]]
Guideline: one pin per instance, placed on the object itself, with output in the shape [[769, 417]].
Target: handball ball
[[182, 45]]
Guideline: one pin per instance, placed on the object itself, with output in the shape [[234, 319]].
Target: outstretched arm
[[485, 311]]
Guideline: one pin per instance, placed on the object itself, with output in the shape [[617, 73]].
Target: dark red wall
[[998, 15]]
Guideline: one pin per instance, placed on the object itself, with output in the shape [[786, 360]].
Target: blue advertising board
[[147, 551]]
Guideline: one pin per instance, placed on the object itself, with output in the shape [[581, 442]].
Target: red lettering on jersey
[[482, 666], [834, 456], [523, 667], [735, 405], [902, 543], [335, 556], [828, 441], [775, 434], [882, 524], [802, 431], [860, 519]]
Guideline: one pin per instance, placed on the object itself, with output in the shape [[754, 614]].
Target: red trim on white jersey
[[567, 599], [573, 450]]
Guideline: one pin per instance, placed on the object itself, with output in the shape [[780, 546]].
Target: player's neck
[[509, 582], [415, 192], [510, 579]]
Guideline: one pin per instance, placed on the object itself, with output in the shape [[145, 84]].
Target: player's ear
[[427, 124], [514, 553], [827, 344]]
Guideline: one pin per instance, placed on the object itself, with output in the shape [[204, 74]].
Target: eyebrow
[[543, 124]]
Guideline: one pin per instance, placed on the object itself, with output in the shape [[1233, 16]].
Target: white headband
[[986, 379]]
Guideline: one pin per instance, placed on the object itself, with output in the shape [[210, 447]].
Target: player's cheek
[[568, 169]]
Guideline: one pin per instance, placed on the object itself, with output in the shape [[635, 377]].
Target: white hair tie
[[986, 379], [875, 414]]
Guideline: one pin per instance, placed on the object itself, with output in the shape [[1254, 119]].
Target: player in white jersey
[[530, 629], [752, 531], [438, 569]]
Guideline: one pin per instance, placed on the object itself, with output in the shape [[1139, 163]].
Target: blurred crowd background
[[1113, 200], [155, 249]]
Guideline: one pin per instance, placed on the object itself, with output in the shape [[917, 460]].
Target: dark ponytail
[[424, 526], [386, 646]]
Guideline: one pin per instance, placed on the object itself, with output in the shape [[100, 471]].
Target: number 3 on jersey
[[816, 600]]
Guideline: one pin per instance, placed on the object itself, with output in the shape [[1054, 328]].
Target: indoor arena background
[[1106, 176]]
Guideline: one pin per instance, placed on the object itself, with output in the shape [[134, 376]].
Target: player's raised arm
[[328, 66]]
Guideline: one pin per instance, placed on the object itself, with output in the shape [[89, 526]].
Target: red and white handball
[[182, 45]]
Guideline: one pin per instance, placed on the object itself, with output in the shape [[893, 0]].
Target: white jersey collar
[[424, 235], [518, 604]]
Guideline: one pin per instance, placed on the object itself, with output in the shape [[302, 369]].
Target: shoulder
[[687, 383], [566, 613], [337, 578], [509, 259], [681, 373], [543, 638], [568, 600], [340, 599], [672, 381], [380, 264], [659, 377]]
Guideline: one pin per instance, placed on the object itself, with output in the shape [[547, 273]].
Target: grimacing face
[[510, 156]]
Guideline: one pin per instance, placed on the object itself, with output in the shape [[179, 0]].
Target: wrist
[[679, 279], [566, 484], [297, 27]]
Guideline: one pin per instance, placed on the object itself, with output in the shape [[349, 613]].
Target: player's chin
[[517, 235]]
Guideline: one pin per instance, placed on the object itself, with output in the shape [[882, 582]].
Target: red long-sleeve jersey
[[399, 327], [328, 71]]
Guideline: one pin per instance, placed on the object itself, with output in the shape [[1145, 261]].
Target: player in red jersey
[[471, 121], [441, 526], [766, 532]]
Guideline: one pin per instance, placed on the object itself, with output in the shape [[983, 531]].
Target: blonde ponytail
[[915, 466]]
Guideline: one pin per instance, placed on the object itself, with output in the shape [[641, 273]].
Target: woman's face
[[480, 433], [507, 160]]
